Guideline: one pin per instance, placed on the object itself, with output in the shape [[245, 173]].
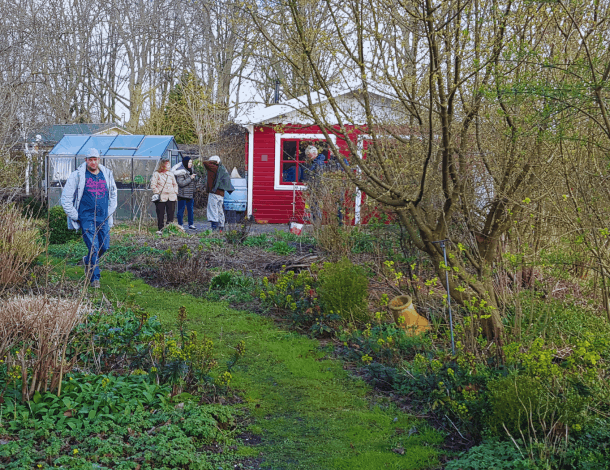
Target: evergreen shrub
[[58, 227]]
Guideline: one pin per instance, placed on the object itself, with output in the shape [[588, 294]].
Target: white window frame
[[277, 184]]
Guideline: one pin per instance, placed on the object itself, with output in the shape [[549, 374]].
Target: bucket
[[406, 316], [238, 199], [296, 228]]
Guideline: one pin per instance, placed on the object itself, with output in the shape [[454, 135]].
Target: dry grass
[[20, 244], [41, 327]]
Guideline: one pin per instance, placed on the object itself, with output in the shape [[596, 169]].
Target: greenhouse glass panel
[[69, 145], [125, 145], [141, 199], [121, 168], [123, 208], [54, 197], [154, 146], [59, 170], [99, 142], [142, 172]]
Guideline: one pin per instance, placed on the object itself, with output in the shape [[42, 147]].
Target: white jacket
[[74, 189]]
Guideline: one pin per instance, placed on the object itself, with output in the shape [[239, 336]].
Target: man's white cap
[[215, 158], [93, 153]]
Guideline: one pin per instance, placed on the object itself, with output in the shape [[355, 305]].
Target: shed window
[[294, 162], [290, 160]]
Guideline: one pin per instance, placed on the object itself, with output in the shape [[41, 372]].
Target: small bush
[[528, 406], [343, 290], [36, 332], [20, 244], [58, 227], [183, 270]]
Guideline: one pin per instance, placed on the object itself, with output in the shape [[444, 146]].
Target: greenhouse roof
[[115, 145]]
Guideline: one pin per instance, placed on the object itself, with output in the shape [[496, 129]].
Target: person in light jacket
[[164, 184], [89, 198], [183, 172], [218, 181]]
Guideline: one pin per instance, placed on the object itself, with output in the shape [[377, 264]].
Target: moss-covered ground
[[304, 410]]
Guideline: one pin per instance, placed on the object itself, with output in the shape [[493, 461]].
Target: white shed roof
[[296, 110]]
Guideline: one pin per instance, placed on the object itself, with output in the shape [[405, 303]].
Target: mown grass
[[309, 412]]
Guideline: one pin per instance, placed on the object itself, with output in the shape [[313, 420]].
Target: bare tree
[[449, 146]]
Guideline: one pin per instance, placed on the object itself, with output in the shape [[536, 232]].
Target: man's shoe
[[95, 284], [192, 227], [159, 232]]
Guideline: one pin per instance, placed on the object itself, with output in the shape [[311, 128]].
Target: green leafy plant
[[232, 286], [257, 240], [492, 456], [384, 343], [88, 400], [282, 248], [291, 237], [108, 422], [173, 229]]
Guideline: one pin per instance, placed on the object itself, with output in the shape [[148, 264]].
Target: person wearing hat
[[164, 184], [89, 198], [183, 172], [218, 181]]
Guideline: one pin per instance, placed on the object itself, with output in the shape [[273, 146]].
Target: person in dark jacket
[[313, 166], [183, 172], [218, 181]]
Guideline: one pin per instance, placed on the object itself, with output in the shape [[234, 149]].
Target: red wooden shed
[[277, 138]]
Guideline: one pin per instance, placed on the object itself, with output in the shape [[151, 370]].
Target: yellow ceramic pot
[[406, 316]]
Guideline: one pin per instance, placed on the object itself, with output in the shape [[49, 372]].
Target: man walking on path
[[89, 198], [218, 181]]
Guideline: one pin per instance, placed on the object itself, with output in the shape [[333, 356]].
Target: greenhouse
[[132, 159]]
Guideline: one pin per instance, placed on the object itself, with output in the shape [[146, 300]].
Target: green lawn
[[308, 411]]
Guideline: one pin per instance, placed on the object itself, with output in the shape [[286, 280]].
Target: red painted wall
[[268, 204]]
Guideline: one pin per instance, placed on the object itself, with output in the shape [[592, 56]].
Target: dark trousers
[[162, 208], [189, 204]]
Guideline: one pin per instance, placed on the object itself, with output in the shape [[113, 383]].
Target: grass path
[[308, 411]]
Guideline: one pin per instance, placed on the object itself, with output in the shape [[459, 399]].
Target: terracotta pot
[[412, 322]]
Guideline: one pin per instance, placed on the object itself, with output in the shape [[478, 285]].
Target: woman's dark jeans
[[189, 204]]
